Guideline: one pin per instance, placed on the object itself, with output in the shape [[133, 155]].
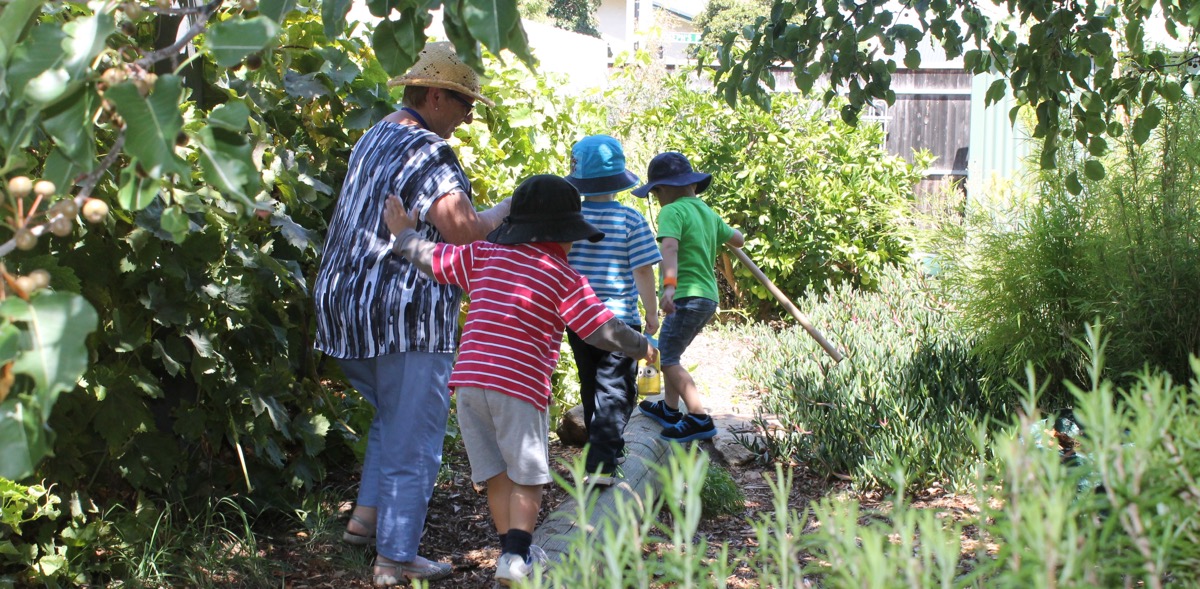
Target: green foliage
[[818, 200], [1122, 512], [613, 555], [529, 131], [575, 15], [213, 185], [908, 394], [1087, 61], [1030, 278], [1117, 510], [43, 353], [721, 494], [729, 16]]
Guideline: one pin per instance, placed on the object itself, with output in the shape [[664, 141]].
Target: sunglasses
[[470, 104]]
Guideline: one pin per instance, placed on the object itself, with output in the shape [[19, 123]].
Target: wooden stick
[[787, 304]]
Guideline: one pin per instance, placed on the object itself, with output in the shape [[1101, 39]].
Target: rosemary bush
[[908, 394], [1121, 514]]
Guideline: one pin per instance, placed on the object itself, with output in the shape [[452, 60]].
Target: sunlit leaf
[[231, 41]]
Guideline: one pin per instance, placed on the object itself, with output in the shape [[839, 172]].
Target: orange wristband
[[670, 281]]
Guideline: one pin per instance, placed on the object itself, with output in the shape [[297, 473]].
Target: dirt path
[[458, 529]]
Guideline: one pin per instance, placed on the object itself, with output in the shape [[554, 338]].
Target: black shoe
[[658, 411], [690, 428]]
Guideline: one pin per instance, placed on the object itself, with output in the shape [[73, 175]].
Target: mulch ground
[[458, 530]]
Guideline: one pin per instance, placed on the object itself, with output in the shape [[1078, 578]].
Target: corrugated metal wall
[[997, 150]]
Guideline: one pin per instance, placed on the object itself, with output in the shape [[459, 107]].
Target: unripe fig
[[67, 207], [253, 61], [181, 139], [44, 188], [249, 5], [95, 210], [25, 239], [19, 186], [133, 10], [61, 226], [41, 279], [26, 284]]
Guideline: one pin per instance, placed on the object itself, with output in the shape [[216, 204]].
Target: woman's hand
[[396, 217]]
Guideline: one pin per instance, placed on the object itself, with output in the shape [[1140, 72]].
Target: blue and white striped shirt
[[370, 301], [608, 264]]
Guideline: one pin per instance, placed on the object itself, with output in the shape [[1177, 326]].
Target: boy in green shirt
[[689, 235]]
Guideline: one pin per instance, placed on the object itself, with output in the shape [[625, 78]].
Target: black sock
[[517, 542], [502, 541], [669, 408], [700, 417]]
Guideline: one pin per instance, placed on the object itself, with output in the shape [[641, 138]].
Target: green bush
[[200, 380], [818, 200], [721, 494], [908, 394], [1031, 274], [1122, 513]]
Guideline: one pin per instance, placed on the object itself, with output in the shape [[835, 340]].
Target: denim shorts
[[681, 327]]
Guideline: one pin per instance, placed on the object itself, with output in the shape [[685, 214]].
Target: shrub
[[1038, 523], [907, 394], [1122, 514], [721, 494], [818, 200], [1028, 279]]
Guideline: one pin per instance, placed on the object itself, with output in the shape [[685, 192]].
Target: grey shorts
[[504, 434]]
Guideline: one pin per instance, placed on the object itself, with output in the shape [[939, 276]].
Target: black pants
[[608, 387]]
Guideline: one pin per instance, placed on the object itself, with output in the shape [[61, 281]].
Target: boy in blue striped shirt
[[620, 269]]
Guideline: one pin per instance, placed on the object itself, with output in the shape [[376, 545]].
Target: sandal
[[359, 539], [404, 572]]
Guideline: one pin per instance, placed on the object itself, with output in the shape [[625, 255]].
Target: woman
[[393, 331]]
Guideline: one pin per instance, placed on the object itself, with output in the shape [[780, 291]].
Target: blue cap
[[598, 166]]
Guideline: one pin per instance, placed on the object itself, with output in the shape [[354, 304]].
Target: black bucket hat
[[672, 169], [544, 209]]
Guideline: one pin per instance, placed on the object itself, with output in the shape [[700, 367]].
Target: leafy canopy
[[1092, 61]]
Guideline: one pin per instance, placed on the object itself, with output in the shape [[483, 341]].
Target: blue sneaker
[[689, 429], [658, 411]]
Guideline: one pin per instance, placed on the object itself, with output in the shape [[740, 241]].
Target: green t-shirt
[[700, 232]]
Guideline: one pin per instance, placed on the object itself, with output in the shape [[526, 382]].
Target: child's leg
[[499, 497], [525, 501], [522, 440], [680, 381], [586, 358], [678, 331]]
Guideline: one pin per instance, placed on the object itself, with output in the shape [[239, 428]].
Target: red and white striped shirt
[[521, 298]]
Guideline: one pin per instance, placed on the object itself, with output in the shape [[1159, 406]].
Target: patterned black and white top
[[370, 301]]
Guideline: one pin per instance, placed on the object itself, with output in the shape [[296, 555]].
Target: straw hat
[[438, 66]]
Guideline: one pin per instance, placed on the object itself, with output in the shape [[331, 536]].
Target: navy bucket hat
[[598, 167], [544, 209], [672, 169]]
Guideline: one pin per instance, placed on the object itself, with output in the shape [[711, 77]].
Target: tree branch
[[197, 27]]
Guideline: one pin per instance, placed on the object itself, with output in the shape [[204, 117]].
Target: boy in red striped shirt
[[523, 293]]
